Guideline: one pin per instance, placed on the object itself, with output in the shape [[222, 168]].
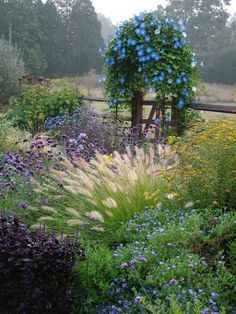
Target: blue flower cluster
[[152, 266], [150, 51]]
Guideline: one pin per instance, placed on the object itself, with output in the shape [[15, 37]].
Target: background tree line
[[59, 37], [212, 34], [63, 37]]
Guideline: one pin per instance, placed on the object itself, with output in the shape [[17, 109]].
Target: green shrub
[[37, 103], [207, 167], [10, 136], [11, 69]]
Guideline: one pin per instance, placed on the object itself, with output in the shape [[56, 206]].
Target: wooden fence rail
[[196, 106], [159, 113]]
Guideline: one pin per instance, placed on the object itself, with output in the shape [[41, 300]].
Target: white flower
[[170, 196], [184, 34], [194, 89], [157, 31], [189, 205]]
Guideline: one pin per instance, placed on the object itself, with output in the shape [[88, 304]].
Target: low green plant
[[11, 139], [37, 103], [207, 164], [11, 69]]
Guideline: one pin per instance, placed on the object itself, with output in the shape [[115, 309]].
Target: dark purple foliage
[[35, 269]]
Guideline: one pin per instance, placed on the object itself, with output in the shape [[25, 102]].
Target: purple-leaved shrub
[[35, 269]]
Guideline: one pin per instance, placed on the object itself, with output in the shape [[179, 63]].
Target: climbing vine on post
[[151, 51]]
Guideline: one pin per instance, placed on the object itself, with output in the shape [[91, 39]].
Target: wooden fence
[[158, 112]]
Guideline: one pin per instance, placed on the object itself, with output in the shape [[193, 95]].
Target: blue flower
[[181, 103], [138, 31], [161, 76], [168, 22], [178, 81], [149, 49], [115, 101], [152, 22], [118, 32], [155, 78], [122, 80], [147, 38], [170, 81], [176, 45], [143, 32], [185, 92], [169, 70], [155, 56], [140, 53], [118, 43], [143, 26]]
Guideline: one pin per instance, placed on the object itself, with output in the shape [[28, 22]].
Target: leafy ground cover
[[157, 225]]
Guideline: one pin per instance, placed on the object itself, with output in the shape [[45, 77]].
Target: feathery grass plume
[[46, 218], [114, 189], [73, 212], [74, 222], [49, 209]]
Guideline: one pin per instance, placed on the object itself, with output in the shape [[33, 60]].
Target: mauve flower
[[173, 282], [215, 295], [138, 299], [24, 205], [124, 265], [143, 260]]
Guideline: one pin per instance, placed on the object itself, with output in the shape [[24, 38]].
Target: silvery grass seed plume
[[113, 186]]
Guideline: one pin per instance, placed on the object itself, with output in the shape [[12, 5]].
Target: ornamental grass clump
[[113, 186], [35, 269]]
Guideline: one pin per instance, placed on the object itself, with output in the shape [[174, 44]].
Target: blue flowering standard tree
[[151, 51]]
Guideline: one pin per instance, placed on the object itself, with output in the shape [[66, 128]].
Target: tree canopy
[[56, 37]]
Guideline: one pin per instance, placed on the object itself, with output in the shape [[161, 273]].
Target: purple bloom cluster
[[85, 132], [17, 168]]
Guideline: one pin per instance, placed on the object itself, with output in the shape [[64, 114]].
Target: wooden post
[[175, 118], [137, 109]]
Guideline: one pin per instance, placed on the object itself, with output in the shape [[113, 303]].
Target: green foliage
[[11, 69], [95, 274], [150, 51], [37, 103], [208, 149], [9, 136]]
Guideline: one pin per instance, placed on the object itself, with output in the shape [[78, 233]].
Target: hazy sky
[[119, 10]]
